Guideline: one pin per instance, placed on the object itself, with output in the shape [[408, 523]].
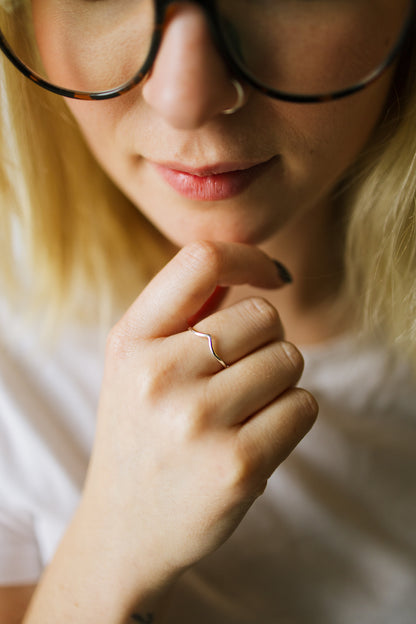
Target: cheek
[[330, 136], [97, 122]]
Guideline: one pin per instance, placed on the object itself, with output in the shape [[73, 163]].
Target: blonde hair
[[89, 247], [86, 250], [380, 249]]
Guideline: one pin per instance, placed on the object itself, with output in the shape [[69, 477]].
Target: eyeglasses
[[293, 50]]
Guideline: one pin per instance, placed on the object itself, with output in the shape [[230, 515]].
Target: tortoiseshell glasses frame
[[162, 9]]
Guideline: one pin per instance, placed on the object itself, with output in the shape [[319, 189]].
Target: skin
[[213, 437], [287, 212]]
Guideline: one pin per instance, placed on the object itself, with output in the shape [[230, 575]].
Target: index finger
[[182, 287]]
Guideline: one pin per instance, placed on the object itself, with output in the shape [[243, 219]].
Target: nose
[[189, 82]]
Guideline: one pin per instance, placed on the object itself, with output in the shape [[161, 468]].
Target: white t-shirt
[[332, 540]]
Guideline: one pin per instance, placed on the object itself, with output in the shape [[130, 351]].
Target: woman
[[243, 132]]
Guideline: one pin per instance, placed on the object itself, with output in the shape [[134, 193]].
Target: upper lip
[[214, 169]]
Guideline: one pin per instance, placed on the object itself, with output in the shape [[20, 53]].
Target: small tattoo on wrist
[[144, 619]]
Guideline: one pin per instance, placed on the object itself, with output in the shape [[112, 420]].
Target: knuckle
[[202, 255], [190, 422], [152, 382], [261, 311], [156, 379], [292, 357], [244, 467], [306, 407], [118, 344]]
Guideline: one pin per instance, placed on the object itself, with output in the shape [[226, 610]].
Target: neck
[[312, 249]]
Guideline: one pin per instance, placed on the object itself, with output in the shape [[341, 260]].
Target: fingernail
[[284, 274]]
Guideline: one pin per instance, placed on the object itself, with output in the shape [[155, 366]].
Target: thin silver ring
[[211, 346], [240, 98]]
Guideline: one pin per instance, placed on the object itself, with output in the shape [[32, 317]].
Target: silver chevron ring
[[211, 346]]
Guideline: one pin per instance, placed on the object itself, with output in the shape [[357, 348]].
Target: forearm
[[89, 582]]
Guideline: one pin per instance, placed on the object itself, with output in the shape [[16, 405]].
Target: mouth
[[216, 182]]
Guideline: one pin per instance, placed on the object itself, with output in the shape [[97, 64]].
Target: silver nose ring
[[240, 98]]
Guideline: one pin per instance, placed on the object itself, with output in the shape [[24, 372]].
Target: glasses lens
[[309, 47], [81, 45]]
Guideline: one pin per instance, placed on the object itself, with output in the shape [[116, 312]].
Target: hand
[[183, 446]]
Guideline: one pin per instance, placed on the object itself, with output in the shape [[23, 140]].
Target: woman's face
[[199, 174]]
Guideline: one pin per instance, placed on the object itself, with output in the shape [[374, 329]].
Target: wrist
[[90, 580], [137, 577]]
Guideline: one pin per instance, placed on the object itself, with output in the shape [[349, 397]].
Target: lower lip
[[214, 187]]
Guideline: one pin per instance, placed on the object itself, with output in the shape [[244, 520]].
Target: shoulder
[[48, 392], [48, 396]]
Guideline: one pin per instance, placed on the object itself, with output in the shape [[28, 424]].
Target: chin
[[233, 222], [247, 236]]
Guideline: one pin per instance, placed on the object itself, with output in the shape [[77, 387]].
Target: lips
[[214, 183]]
